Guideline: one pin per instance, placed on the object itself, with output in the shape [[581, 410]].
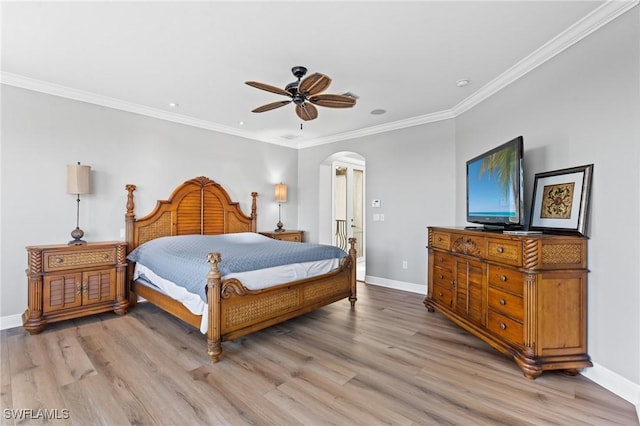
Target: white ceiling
[[403, 57]]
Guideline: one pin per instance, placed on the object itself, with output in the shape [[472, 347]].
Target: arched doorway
[[342, 195]]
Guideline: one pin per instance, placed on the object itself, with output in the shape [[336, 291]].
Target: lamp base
[[279, 227], [77, 235]]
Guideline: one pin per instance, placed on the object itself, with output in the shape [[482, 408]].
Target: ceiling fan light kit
[[305, 94]]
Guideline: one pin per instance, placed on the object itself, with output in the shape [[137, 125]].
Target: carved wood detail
[[466, 246]]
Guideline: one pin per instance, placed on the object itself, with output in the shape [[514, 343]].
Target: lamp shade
[[281, 193], [78, 179]]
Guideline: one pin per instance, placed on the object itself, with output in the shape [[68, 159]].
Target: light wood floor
[[388, 361]]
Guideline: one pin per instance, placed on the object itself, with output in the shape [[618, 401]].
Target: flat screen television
[[495, 187]]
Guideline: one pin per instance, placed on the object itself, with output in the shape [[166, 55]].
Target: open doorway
[[343, 182]]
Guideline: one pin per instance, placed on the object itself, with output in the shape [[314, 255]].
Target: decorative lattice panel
[[260, 309], [157, 229], [562, 253]]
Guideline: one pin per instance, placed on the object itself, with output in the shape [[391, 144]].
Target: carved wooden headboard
[[198, 206]]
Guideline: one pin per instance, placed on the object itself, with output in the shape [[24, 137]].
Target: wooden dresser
[[289, 235], [70, 281], [525, 295]]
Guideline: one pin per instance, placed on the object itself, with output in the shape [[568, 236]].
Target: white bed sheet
[[253, 280]]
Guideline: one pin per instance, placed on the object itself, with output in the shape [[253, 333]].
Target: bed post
[[254, 215], [354, 267], [129, 219], [214, 346]]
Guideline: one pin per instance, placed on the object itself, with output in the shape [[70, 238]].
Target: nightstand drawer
[[60, 260], [290, 235]]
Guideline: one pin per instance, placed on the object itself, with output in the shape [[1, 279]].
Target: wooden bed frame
[[201, 206]]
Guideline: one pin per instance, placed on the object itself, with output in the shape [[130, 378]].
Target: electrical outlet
[[405, 265], [381, 217]]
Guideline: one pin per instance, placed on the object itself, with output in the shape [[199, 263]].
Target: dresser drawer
[[506, 279], [443, 295], [506, 303], [441, 240], [442, 277], [504, 251], [62, 260], [443, 261], [505, 327]]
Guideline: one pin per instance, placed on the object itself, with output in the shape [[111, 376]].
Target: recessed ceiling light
[[241, 123], [378, 111], [463, 82], [174, 104]]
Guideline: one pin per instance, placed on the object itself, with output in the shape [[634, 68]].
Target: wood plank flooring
[[388, 361]]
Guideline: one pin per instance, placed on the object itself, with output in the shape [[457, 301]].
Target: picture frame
[[561, 200]]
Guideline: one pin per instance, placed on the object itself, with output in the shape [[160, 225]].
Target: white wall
[[41, 134], [412, 172], [583, 107]]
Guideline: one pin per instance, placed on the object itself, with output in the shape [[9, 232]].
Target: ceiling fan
[[305, 94]]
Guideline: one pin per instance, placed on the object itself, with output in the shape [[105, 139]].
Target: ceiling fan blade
[[333, 101], [268, 88], [272, 105], [306, 111], [314, 84]]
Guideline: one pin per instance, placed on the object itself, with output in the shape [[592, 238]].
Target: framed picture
[[561, 200]]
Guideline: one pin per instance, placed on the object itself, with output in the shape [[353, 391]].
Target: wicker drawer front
[[441, 240], [506, 279], [504, 251], [505, 327], [56, 261], [506, 303]]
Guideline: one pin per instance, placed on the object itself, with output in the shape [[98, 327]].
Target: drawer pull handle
[[503, 278], [503, 326], [105, 256], [502, 302], [440, 294], [59, 259], [441, 276], [453, 284], [500, 250]]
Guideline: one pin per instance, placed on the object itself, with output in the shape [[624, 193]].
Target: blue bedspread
[[183, 259]]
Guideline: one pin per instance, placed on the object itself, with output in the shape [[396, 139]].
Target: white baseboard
[[398, 285], [10, 321], [598, 374], [615, 383]]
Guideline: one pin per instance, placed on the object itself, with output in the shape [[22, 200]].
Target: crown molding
[[386, 127], [599, 17]]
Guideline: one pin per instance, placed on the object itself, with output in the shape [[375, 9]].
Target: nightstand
[[71, 281], [289, 235]]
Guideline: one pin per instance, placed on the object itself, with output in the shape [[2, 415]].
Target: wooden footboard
[[235, 311]]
